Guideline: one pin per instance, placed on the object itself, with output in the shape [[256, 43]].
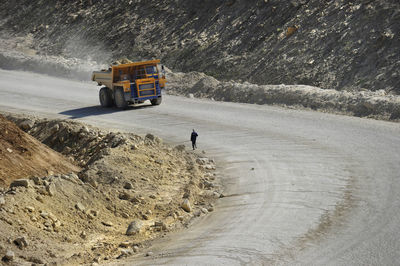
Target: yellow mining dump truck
[[130, 83]]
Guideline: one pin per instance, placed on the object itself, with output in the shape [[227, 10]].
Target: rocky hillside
[[337, 44]]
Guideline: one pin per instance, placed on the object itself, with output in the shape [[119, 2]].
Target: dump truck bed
[[103, 78]]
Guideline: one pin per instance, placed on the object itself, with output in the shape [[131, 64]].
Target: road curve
[[301, 187]]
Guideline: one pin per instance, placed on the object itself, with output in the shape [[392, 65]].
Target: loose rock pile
[[132, 189], [375, 104]]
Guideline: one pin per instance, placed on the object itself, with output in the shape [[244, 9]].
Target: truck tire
[[156, 101], [105, 97], [120, 99]]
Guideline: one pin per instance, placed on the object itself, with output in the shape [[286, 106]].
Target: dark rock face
[[334, 44]]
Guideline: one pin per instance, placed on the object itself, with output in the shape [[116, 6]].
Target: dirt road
[[301, 187]]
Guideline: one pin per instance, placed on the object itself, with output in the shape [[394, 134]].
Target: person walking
[[193, 138]]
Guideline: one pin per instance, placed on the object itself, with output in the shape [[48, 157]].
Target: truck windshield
[[151, 70]]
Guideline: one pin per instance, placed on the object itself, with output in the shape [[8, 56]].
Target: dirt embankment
[[377, 104], [131, 190], [23, 156]]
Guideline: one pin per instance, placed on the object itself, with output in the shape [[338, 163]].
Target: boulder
[[9, 256], [186, 205], [134, 227], [80, 207], [150, 136], [20, 183], [204, 210], [26, 124], [124, 196], [37, 180], [21, 242], [128, 185], [125, 244], [107, 223], [202, 161], [30, 208], [54, 129], [51, 189]]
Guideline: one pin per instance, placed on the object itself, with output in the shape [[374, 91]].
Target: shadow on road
[[97, 110]]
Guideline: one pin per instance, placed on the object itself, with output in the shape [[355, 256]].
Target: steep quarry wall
[[339, 44]]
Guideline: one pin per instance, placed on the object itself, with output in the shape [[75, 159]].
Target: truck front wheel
[[156, 101], [119, 98], [105, 97]]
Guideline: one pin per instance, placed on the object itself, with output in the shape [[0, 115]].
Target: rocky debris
[[107, 223], [128, 185], [2, 201], [151, 178], [39, 198], [36, 260], [30, 208], [9, 256], [134, 227], [125, 244], [72, 177], [150, 137], [94, 213], [202, 161], [377, 104], [124, 196], [149, 254], [207, 184], [180, 147], [160, 225], [51, 189], [21, 242], [125, 253], [186, 205], [20, 183], [44, 214], [204, 210], [79, 206], [27, 124], [83, 235]]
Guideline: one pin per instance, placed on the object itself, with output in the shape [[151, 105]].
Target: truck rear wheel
[[119, 98], [105, 97], [156, 101]]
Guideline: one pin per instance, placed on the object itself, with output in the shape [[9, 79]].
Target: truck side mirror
[[163, 70]]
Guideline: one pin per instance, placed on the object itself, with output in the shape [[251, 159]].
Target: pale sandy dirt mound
[[126, 180], [374, 104], [23, 156]]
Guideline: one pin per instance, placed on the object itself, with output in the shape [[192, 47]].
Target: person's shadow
[[99, 110]]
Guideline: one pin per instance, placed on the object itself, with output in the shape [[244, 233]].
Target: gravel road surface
[[301, 187]]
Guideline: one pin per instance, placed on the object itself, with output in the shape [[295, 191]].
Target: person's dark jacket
[[193, 136]]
